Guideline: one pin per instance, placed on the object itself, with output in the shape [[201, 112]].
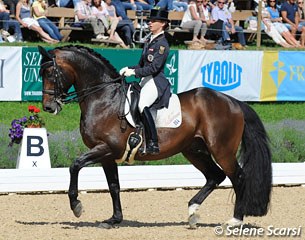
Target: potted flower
[[18, 125]]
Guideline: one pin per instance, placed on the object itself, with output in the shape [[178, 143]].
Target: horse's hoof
[[193, 220], [105, 225], [78, 209], [234, 222]]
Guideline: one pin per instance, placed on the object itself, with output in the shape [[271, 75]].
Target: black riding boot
[[151, 132]]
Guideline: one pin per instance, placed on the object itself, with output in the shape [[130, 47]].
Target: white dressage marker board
[[34, 150]]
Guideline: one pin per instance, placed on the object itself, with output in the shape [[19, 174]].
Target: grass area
[[285, 124]]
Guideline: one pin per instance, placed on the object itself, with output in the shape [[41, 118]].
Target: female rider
[[155, 88]]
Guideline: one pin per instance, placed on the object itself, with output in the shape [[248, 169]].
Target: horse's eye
[[49, 74]]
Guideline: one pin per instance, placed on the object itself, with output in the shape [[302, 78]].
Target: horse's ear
[[45, 53]]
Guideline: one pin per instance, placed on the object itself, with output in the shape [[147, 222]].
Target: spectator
[[40, 9], [125, 26], [276, 20], [172, 5], [23, 16], [144, 4], [85, 17], [129, 5], [270, 29], [120, 9], [196, 18], [221, 13], [7, 22], [11, 4], [291, 18], [66, 3], [301, 12], [99, 9]]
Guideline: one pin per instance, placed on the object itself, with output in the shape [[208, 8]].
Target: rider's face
[[156, 26]]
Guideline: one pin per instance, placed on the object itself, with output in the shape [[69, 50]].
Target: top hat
[[158, 14]]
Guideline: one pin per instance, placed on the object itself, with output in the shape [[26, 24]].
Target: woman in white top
[[99, 9], [197, 18], [23, 16]]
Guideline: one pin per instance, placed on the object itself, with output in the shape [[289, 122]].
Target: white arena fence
[[131, 177]]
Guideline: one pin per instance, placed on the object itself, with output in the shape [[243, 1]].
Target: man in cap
[[155, 91]]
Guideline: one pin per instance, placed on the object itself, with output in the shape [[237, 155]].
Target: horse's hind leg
[[237, 180], [214, 176]]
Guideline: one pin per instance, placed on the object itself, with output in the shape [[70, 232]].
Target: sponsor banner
[[10, 74], [171, 70], [236, 73], [32, 83], [283, 76]]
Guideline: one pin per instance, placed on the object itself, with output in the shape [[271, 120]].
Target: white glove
[[129, 72], [122, 71]]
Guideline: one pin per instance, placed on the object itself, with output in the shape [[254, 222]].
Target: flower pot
[[33, 126]]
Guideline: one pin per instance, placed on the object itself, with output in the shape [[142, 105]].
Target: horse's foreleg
[[111, 172], [93, 156]]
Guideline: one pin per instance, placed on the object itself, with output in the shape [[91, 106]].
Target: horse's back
[[209, 100]]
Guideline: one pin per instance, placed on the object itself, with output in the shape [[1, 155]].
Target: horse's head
[[55, 84]]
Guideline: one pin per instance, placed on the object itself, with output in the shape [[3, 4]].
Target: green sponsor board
[[32, 83]]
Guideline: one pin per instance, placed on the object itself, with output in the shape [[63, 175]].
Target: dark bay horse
[[215, 129]]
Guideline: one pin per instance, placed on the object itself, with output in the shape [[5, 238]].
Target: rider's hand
[[129, 72], [122, 71]]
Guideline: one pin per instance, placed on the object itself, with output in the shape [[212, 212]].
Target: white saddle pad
[[166, 117]]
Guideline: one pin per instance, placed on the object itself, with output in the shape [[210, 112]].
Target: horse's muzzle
[[54, 108]]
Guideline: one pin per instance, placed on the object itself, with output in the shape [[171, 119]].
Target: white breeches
[[148, 94]]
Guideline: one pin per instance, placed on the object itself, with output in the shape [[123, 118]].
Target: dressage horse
[[219, 135]]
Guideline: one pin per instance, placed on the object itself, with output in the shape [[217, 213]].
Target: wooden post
[[259, 23]]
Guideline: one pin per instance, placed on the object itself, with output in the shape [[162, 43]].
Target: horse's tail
[[255, 160]]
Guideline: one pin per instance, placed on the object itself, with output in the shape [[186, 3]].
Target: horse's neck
[[107, 100]]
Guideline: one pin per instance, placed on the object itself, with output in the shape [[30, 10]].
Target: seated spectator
[[277, 23], [23, 16], [66, 3], [125, 26], [144, 4], [172, 5], [129, 4], [301, 12], [7, 22], [291, 18], [85, 16], [270, 29], [196, 18], [119, 8], [99, 9], [221, 13], [11, 4], [40, 9]]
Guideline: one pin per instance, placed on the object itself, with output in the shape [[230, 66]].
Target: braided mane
[[92, 53]]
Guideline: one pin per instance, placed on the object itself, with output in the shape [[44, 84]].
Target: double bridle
[[61, 97]]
